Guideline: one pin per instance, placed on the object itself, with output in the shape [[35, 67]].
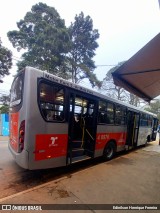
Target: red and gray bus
[[54, 122]]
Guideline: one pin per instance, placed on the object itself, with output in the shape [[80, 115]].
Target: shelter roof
[[140, 75]]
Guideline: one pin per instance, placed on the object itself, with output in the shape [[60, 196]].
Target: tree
[[118, 92], [83, 45], [50, 46], [5, 104], [110, 88], [4, 109], [42, 33], [5, 99], [5, 60], [154, 107]]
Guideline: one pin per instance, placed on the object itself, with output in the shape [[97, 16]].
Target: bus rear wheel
[[109, 151]]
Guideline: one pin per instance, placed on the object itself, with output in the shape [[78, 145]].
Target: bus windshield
[[16, 90]]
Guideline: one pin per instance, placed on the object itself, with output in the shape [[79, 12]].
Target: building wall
[[4, 126]]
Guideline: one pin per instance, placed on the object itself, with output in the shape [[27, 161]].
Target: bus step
[[89, 152], [76, 144], [77, 152], [80, 158]]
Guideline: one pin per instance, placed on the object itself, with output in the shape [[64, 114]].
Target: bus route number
[[103, 137]]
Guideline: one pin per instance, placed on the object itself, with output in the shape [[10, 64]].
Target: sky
[[125, 26]]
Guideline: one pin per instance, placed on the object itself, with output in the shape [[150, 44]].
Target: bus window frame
[[124, 116], [16, 107], [144, 120], [39, 82], [106, 111]]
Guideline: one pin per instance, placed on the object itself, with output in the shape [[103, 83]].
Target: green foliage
[[42, 33], [5, 60], [83, 47], [5, 104], [50, 46], [154, 108], [4, 109]]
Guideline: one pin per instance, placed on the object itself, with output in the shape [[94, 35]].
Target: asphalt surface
[[14, 179], [131, 178]]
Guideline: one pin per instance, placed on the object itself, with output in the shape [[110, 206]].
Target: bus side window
[[120, 115], [144, 120], [106, 113], [102, 115], [110, 113], [51, 102]]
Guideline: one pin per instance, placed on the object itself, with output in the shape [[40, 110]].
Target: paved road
[[14, 179], [9, 171], [132, 178]]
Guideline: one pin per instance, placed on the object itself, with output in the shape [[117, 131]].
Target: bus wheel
[[109, 151], [148, 138]]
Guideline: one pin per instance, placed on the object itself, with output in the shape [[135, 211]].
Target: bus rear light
[[21, 136], [21, 133], [21, 140]]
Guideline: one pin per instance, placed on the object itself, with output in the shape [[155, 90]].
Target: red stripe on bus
[[103, 138], [50, 146], [14, 135]]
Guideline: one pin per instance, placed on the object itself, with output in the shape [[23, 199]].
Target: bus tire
[[148, 138], [109, 151]]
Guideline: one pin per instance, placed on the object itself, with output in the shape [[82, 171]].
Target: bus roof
[[69, 84]]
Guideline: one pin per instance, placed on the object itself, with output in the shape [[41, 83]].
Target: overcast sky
[[125, 26]]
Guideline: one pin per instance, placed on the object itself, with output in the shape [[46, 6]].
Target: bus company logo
[[53, 140]]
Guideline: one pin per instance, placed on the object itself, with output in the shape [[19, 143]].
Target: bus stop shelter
[[140, 75]]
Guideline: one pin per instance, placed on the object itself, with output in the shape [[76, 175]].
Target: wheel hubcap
[[109, 152]]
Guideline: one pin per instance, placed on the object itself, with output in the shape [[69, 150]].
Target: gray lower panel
[[48, 163], [20, 158], [98, 153]]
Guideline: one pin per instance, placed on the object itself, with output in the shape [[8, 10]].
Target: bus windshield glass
[[16, 90]]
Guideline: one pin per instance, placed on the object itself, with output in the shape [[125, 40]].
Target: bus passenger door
[[154, 128], [132, 129], [82, 128]]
